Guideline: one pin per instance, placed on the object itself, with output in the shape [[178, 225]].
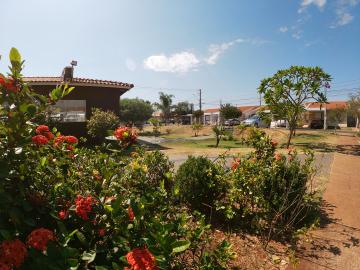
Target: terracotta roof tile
[[78, 81], [329, 106]]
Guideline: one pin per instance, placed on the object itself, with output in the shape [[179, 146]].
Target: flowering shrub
[[126, 136], [68, 207]]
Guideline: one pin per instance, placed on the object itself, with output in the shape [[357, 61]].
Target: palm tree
[[165, 105]]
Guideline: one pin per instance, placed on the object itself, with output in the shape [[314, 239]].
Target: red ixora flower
[[9, 84], [62, 214], [42, 129], [101, 232], [4, 266], [71, 139], [12, 253], [235, 164], [125, 135], [141, 259], [277, 156], [131, 214], [39, 140], [84, 206], [274, 143], [39, 238]]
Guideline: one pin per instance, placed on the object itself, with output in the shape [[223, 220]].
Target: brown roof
[[77, 81], [248, 108], [329, 106], [213, 110]]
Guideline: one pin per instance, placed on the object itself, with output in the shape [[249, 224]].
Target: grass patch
[[206, 143]]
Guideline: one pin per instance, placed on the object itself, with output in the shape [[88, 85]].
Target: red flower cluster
[[84, 206], [39, 140], [62, 214], [12, 254], [101, 232], [39, 238], [4, 266], [277, 156], [141, 259], [9, 84], [43, 136], [274, 143], [125, 135], [45, 131], [235, 164], [131, 214], [68, 139]]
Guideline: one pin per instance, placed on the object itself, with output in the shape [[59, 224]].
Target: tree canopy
[[135, 111], [228, 111], [165, 105], [286, 92], [354, 106]]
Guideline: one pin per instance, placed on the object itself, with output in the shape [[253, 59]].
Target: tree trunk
[[292, 130], [217, 141]]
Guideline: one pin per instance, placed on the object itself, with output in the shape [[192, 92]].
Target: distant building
[[75, 108], [314, 112]]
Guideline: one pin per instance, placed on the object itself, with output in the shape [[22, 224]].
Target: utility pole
[[325, 116], [200, 102]]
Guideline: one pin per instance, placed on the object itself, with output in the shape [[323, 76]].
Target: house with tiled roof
[[75, 108], [314, 111], [212, 115]]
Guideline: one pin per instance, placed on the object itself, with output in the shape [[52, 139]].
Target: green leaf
[[180, 246], [115, 266], [43, 161], [15, 55], [89, 256], [82, 238], [100, 268]]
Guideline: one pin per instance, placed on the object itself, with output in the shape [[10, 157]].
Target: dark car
[[317, 124], [232, 122]]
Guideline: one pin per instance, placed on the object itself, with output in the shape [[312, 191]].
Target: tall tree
[[286, 92], [182, 108], [354, 107], [165, 105], [135, 111], [228, 111]]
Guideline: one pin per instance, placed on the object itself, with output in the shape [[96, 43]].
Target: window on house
[[69, 111]]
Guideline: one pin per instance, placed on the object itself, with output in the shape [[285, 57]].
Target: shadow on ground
[[326, 243]]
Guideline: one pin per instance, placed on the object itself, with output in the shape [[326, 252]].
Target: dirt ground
[[336, 244]]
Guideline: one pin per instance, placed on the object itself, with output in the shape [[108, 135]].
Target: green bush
[[100, 123], [68, 207], [200, 182]]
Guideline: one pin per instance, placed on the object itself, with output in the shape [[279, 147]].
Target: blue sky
[[224, 47]]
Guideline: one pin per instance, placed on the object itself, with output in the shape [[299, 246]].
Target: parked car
[[318, 123], [278, 123], [255, 121], [232, 122]]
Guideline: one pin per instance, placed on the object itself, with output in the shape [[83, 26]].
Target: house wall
[[105, 98]]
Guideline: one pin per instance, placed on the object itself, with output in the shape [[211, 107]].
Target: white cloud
[[179, 62], [130, 64], [185, 61], [283, 29], [216, 50], [305, 3], [343, 15]]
